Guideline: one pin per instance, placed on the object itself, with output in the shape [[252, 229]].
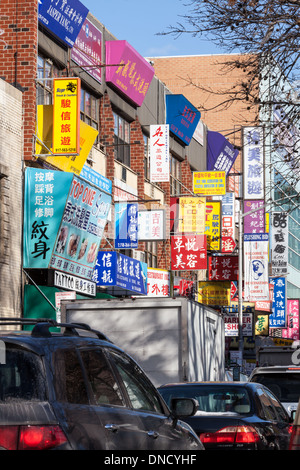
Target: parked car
[[295, 435], [65, 386], [283, 381], [234, 415]]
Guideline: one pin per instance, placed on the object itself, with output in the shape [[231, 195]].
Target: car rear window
[[212, 399], [21, 376], [285, 386]]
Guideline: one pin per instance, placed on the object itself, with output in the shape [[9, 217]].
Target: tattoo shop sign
[[64, 220]]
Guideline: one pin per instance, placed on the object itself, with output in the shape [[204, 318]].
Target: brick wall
[[18, 65]]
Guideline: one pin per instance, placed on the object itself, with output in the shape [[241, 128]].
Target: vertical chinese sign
[[159, 153], [126, 225], [292, 330], [278, 316], [253, 149], [279, 243], [66, 116]]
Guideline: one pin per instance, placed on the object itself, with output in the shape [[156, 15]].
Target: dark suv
[[66, 386]]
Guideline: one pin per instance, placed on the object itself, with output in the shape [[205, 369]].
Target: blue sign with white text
[[126, 225], [115, 269], [278, 317], [63, 18], [182, 117]]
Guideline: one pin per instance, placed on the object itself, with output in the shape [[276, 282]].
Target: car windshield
[[211, 399], [21, 376], [285, 386]]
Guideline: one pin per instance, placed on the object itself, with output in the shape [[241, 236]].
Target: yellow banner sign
[[262, 325], [192, 215], [70, 163], [214, 293], [66, 117], [209, 183], [213, 225]]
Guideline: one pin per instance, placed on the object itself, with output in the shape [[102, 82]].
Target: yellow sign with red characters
[[66, 116]]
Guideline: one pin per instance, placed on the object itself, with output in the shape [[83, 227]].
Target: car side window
[[101, 378], [266, 404], [141, 393], [278, 408], [68, 378]]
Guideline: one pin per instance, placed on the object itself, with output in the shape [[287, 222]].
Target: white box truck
[[173, 339]]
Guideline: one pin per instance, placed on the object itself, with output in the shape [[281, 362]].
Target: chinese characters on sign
[[255, 222], [191, 215], [214, 293], [158, 283], [278, 316], [159, 153], [221, 155], [223, 268], [279, 243], [253, 163], [213, 225], [188, 252], [182, 117], [292, 330], [128, 71], [151, 225], [115, 269], [126, 225], [66, 119]]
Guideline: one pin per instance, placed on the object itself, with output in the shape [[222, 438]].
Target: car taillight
[[295, 438], [31, 437], [231, 435]]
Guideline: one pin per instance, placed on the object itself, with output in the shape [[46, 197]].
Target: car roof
[[270, 369], [213, 383], [42, 334]]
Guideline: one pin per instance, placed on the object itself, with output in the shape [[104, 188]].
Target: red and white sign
[[263, 305], [228, 244], [188, 252], [223, 268], [232, 324]]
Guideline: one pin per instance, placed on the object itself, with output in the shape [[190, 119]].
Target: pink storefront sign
[[128, 71]]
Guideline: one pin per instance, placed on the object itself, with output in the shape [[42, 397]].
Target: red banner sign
[[188, 252], [223, 268]]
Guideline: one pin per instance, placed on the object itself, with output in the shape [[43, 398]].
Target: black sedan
[[234, 415]]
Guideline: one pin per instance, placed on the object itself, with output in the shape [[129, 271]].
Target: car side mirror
[[183, 407]]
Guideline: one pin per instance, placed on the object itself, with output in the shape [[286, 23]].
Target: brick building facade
[[32, 57]]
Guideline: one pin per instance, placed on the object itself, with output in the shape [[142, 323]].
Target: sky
[[139, 23]]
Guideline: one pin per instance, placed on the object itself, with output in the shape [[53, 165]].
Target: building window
[[46, 72], [121, 140], [175, 176], [151, 254], [89, 109], [146, 158]]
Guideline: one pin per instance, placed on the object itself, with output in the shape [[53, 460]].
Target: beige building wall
[[11, 208]]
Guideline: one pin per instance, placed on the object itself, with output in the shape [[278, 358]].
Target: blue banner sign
[[278, 317], [182, 117], [126, 226], [115, 269], [63, 18], [221, 155]]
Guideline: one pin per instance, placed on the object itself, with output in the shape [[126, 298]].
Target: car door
[[282, 421], [122, 427], [146, 403]]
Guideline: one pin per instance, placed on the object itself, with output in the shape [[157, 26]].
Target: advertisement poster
[[188, 252], [64, 220], [114, 269], [256, 276]]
